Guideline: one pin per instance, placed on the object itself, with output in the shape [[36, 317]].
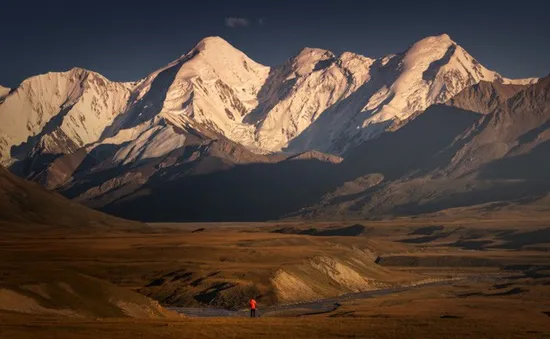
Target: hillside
[[24, 202], [73, 295]]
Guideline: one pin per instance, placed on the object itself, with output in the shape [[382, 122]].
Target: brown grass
[[374, 327], [175, 265]]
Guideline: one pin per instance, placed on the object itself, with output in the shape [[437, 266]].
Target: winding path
[[322, 305]]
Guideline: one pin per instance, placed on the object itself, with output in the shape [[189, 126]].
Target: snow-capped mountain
[[58, 113], [213, 85], [216, 109], [431, 71], [300, 91], [316, 100], [445, 157]]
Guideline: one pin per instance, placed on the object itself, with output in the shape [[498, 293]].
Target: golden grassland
[[222, 264], [419, 319]]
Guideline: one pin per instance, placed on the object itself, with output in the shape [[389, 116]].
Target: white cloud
[[236, 22]]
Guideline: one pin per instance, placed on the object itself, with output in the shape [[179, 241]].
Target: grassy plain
[[198, 265]]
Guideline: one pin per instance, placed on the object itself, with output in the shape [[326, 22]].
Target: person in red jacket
[[252, 304]]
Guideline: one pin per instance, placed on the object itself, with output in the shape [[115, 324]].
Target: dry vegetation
[[224, 264]]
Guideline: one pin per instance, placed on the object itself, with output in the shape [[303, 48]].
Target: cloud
[[236, 22], [261, 21]]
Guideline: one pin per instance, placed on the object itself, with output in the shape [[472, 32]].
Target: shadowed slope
[[259, 191], [25, 202], [447, 157]]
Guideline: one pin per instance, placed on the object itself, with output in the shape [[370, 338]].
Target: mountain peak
[[75, 73], [310, 54], [443, 36], [430, 49], [435, 43], [313, 51], [214, 43], [435, 40], [307, 59], [214, 50]]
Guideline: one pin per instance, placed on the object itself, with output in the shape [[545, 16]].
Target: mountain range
[[215, 135]]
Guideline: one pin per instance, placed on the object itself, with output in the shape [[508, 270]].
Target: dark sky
[[125, 40]]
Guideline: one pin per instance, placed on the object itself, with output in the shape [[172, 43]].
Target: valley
[[470, 273]]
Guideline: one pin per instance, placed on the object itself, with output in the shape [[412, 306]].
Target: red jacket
[[252, 304]]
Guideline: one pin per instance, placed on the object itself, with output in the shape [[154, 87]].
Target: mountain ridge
[[228, 94], [216, 110]]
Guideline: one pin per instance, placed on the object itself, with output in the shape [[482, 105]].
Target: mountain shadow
[[534, 165], [264, 191], [422, 145], [253, 192]]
